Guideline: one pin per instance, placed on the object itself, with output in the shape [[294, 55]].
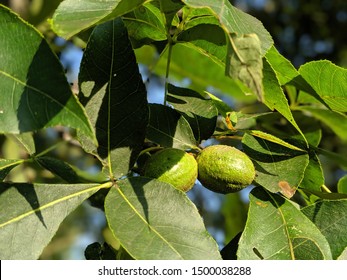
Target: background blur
[[302, 31]]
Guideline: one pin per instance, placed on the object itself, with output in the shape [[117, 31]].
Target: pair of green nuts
[[220, 168]]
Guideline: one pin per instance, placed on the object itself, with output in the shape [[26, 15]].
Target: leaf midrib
[[52, 203], [145, 222]]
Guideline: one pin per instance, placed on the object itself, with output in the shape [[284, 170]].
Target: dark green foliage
[[290, 122]]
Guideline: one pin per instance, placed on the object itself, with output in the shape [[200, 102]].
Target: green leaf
[[114, 97], [34, 213], [342, 185], [71, 17], [313, 176], [187, 63], [336, 121], [69, 173], [169, 128], [343, 256], [6, 165], [329, 81], [153, 220], [234, 20], [285, 71], [208, 39], [274, 97], [330, 218], [170, 8], [198, 110], [275, 164], [34, 92], [274, 139], [244, 62], [26, 140], [277, 230], [145, 25]]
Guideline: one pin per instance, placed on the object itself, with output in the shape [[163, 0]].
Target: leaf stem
[[325, 188], [170, 45], [49, 149]]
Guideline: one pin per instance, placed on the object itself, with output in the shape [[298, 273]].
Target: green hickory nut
[[173, 166], [224, 169]]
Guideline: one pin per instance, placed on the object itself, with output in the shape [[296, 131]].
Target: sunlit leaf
[[153, 220], [274, 97], [342, 185], [26, 140], [145, 24], [31, 214], [277, 230], [234, 20], [6, 165], [189, 64], [329, 81], [34, 92], [71, 16]]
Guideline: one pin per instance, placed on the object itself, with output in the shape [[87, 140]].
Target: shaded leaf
[[198, 110], [275, 163], [97, 251], [170, 8], [71, 16], [34, 92], [6, 165], [244, 62], [331, 219], [329, 81], [169, 128], [114, 97], [34, 213], [69, 173], [277, 230], [153, 220], [229, 251]]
